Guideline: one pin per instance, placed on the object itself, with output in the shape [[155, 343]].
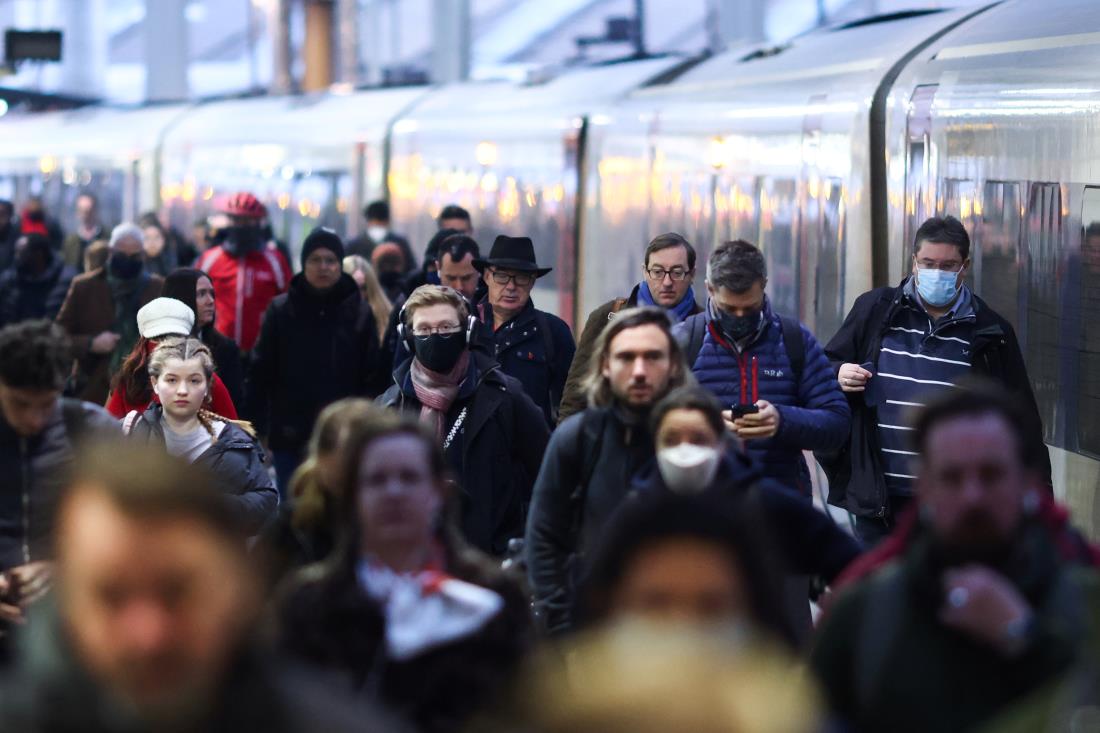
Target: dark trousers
[[873, 530]]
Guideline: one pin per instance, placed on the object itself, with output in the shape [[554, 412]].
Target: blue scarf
[[678, 312]]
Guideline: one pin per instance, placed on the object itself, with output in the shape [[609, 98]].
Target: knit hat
[[126, 230], [322, 238], [165, 317]]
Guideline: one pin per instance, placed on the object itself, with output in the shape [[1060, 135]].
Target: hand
[[853, 377], [34, 581], [104, 343], [762, 424], [983, 604]]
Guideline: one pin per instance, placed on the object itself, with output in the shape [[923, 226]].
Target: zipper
[[743, 368], [26, 470]]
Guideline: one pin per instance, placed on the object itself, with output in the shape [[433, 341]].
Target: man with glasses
[[532, 346], [492, 433], [667, 274], [899, 348]]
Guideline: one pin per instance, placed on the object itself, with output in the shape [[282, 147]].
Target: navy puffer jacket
[[813, 414]]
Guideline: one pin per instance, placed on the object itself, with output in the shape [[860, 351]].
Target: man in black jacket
[[592, 455], [36, 286], [899, 347], [492, 434], [318, 344]]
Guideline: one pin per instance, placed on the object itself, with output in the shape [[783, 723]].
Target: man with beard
[[981, 609], [246, 269], [38, 283], [151, 624]]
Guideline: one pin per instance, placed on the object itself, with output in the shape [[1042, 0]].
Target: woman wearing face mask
[[403, 610], [696, 455], [180, 371], [491, 432]]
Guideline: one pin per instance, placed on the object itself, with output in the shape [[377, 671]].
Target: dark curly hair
[[35, 355]]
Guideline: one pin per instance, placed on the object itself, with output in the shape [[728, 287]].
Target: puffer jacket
[[813, 414], [32, 475], [235, 460], [536, 348]]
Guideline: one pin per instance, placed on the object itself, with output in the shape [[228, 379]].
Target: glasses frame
[[514, 277], [437, 331], [666, 273]]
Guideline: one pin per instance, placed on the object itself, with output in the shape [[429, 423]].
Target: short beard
[[976, 540]]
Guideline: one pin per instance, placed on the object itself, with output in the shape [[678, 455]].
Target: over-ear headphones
[[404, 328]]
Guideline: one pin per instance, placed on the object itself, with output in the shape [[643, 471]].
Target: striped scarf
[[436, 392]]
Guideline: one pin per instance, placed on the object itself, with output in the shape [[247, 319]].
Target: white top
[[190, 445]]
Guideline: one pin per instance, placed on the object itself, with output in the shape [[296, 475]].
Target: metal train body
[[827, 151]]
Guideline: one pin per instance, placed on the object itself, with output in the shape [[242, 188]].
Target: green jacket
[[886, 663]]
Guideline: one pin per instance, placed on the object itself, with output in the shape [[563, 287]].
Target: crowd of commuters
[[390, 494]]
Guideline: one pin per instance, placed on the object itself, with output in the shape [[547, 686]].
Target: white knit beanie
[[126, 229]]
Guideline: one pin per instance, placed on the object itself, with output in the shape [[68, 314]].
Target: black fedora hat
[[512, 253]]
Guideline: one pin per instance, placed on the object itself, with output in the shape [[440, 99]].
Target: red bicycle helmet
[[243, 204]]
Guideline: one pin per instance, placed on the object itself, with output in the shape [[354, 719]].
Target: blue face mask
[[937, 287]]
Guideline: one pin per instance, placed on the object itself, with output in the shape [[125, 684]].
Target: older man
[[100, 312]]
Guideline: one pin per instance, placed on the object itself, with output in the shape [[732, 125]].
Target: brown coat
[[87, 312]]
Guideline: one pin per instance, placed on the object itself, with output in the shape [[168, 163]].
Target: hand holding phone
[[743, 408]]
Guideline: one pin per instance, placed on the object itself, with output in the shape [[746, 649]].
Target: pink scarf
[[436, 391]]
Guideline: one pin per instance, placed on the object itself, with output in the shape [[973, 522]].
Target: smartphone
[[740, 410]]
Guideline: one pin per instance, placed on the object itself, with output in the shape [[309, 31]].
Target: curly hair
[[35, 355]]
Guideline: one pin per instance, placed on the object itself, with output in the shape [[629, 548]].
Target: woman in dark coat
[[402, 611], [194, 288], [181, 370]]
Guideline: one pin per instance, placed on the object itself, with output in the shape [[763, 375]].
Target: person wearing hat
[[318, 343], [100, 313], [531, 345], [132, 389]]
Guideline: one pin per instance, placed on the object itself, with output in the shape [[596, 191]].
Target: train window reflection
[[996, 237], [778, 204], [1088, 352], [1043, 318]]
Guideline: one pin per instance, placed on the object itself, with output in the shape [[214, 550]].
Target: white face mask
[[377, 234], [687, 468]]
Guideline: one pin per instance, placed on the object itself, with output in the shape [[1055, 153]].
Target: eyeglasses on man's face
[[658, 274], [522, 279], [446, 329]]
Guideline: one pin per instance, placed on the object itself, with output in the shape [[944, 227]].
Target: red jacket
[[243, 288], [220, 402]]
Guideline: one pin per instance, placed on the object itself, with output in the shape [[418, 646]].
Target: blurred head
[[87, 209], [736, 278], [635, 360], [200, 233], [154, 587], [35, 360], [322, 252], [33, 254], [95, 256], [127, 258], [455, 217], [181, 370], [455, 264], [377, 214], [155, 237], [669, 268], [388, 260], [690, 559], [7, 213], [334, 427], [975, 470]]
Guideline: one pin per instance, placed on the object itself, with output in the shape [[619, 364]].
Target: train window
[[1088, 348], [919, 160], [778, 200], [958, 199], [996, 239], [1043, 232]]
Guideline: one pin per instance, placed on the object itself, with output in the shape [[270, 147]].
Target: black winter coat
[[502, 440], [236, 461], [227, 357], [23, 297], [856, 480], [525, 351], [606, 447], [33, 473], [327, 620], [314, 348]]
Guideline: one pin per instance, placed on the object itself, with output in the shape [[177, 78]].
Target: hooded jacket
[[315, 348], [23, 296], [236, 461], [497, 451], [813, 413]]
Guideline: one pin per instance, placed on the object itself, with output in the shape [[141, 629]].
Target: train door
[[920, 164]]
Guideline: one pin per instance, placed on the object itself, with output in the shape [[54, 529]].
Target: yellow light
[[342, 205], [304, 206], [486, 153], [187, 193], [489, 182], [717, 152], [283, 200], [208, 193], [47, 164]]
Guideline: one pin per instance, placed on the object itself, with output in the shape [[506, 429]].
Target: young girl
[[181, 370]]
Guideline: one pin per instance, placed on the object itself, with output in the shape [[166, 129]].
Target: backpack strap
[[697, 334], [795, 345], [129, 421], [589, 443], [74, 417]]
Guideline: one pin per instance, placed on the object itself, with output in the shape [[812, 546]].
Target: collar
[[485, 311]]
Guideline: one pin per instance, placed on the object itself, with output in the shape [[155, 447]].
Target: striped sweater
[[919, 358]]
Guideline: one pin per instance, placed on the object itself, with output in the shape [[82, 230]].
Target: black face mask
[[438, 352], [739, 327], [242, 240], [124, 266]]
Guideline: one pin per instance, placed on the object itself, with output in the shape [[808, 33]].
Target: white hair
[[126, 230]]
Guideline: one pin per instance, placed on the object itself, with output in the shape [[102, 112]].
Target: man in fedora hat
[[532, 346]]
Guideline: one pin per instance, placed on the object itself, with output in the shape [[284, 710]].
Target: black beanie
[[322, 238]]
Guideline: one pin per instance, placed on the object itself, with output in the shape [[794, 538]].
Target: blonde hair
[[429, 295], [372, 291], [185, 349]]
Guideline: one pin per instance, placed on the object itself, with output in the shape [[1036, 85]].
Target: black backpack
[[790, 329]]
